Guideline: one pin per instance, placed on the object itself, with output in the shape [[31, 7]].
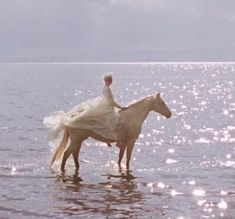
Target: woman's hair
[[107, 76]]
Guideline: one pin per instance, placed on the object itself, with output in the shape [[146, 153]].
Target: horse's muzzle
[[168, 115]]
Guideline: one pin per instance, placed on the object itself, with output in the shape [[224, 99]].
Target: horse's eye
[[163, 103]]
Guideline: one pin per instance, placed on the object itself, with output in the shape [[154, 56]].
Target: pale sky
[[117, 30]]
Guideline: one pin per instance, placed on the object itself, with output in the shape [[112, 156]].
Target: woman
[[99, 115], [109, 97], [108, 93]]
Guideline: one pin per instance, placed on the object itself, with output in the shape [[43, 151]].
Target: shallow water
[[183, 167]]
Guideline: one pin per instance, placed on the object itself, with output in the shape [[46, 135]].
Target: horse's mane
[[135, 102]]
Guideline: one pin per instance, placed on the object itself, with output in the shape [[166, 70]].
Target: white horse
[[132, 119]]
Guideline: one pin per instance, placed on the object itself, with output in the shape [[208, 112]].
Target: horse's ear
[[157, 95]]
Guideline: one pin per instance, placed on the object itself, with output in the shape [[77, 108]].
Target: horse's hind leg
[[75, 156], [67, 153], [77, 136]]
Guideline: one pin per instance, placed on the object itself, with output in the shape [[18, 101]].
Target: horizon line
[[118, 63]]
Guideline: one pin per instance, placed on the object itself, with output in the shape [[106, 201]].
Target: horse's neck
[[138, 112]]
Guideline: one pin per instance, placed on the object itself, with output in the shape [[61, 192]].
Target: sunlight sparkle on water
[[188, 127], [150, 184], [228, 163], [202, 141], [225, 112], [202, 103], [171, 150], [230, 128], [192, 182], [108, 186], [199, 192], [171, 161], [13, 170], [161, 185], [141, 136], [201, 202], [222, 204], [222, 192], [174, 193]]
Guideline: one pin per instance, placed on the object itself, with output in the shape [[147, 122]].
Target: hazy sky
[[117, 30]]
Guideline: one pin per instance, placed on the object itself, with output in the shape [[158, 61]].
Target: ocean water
[[182, 167]]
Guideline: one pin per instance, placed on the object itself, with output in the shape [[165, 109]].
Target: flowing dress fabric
[[98, 115]]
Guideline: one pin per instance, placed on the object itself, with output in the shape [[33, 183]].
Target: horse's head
[[160, 106]]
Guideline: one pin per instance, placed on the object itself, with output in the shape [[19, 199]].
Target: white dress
[[98, 115]]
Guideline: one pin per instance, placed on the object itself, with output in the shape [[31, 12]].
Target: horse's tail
[[60, 148]]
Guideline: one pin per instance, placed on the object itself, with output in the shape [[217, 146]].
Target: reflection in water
[[74, 179], [118, 196], [124, 175]]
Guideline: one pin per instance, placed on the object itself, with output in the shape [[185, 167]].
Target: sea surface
[[182, 167]]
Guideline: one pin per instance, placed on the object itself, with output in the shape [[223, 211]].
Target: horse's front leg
[[121, 153], [129, 149]]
